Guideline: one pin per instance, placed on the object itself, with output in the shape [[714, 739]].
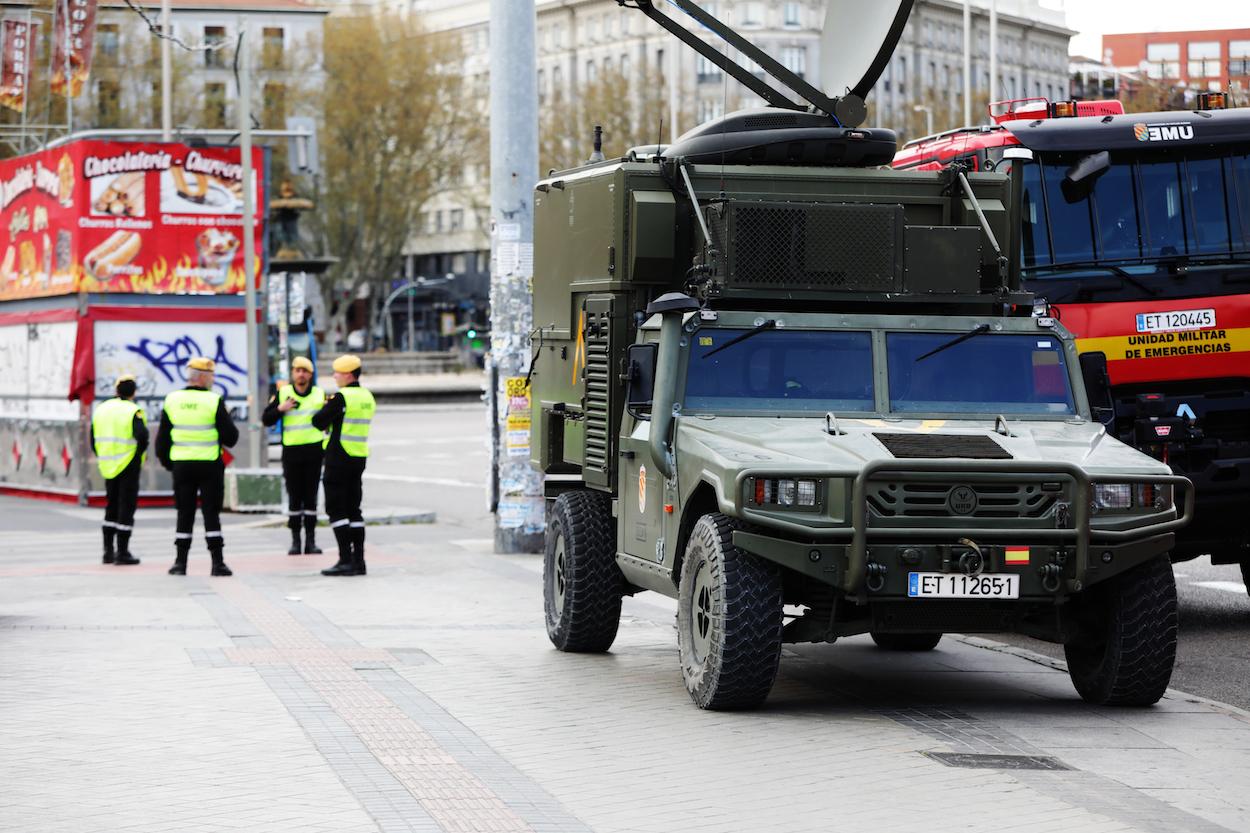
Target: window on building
[[751, 14], [214, 105], [705, 70], [557, 83], [108, 96], [608, 23], [459, 263], [625, 65], [1204, 59], [214, 36], [710, 109], [107, 42], [1239, 57], [794, 58], [273, 113], [456, 223], [607, 66], [902, 76], [592, 28], [557, 35], [542, 85], [154, 101], [438, 221], [483, 262], [591, 72], [271, 48], [626, 17], [1163, 60], [792, 15]]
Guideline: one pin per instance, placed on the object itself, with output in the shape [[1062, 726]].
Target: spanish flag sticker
[[1017, 555]]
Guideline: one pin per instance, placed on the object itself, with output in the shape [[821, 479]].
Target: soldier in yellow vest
[[347, 416], [119, 436], [194, 426], [294, 407]]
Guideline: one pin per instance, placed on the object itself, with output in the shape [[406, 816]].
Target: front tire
[[906, 641], [728, 619], [1125, 649], [582, 586]]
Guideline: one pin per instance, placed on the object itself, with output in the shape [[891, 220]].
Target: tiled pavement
[[426, 697]]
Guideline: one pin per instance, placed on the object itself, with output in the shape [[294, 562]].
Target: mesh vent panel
[[935, 446]]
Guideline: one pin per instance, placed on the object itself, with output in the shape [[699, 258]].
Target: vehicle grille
[[846, 246], [929, 500], [598, 399]]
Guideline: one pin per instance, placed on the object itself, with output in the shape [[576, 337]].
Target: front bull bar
[[989, 471]]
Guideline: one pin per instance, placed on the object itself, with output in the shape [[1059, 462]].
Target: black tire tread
[[751, 651], [1139, 626], [594, 584]]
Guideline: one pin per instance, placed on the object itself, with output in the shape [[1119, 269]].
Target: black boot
[[296, 548], [123, 548], [180, 559], [358, 549], [109, 532], [310, 536], [219, 563], [346, 564]]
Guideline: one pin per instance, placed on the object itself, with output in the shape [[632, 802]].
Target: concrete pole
[[167, 98], [254, 395], [968, 62], [69, 87], [519, 516], [993, 49], [672, 71]]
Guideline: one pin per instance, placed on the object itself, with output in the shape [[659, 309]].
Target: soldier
[[119, 437], [294, 406], [194, 427], [347, 415]]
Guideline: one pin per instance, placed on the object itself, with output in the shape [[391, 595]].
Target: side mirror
[[1098, 387], [640, 361], [1078, 182]]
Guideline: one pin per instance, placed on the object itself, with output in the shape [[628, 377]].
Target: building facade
[[124, 88], [580, 40], [1214, 59]]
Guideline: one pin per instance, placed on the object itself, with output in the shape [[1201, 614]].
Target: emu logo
[[1162, 132], [962, 500]]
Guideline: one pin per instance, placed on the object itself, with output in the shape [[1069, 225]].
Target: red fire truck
[[1135, 229]]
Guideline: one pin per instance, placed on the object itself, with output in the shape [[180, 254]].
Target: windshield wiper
[[1118, 271], [973, 333], [766, 325]]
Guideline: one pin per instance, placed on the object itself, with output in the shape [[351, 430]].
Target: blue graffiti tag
[[171, 357]]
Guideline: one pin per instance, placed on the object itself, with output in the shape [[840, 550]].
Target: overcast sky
[[1094, 18]]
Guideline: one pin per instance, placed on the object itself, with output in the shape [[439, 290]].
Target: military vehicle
[[804, 396]]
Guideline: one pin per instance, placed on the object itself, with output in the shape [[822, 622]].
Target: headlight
[[789, 493], [1153, 496], [1113, 496]]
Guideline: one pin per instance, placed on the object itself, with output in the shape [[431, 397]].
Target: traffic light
[[471, 333]]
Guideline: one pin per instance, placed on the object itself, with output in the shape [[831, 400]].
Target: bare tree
[[395, 122]]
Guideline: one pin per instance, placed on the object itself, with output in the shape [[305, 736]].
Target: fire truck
[[1135, 229]]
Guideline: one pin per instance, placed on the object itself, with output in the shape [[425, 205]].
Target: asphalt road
[[435, 457]]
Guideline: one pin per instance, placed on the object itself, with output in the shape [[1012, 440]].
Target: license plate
[[960, 586], [1166, 322]]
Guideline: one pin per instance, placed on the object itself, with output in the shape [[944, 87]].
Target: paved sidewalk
[[426, 697]]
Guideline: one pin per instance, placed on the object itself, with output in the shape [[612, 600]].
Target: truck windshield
[[1009, 374], [780, 370], [1143, 215]]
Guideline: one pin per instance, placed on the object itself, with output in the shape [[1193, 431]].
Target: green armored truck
[[805, 397]]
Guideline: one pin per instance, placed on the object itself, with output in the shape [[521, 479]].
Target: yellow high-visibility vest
[[113, 426], [193, 417], [357, 418], [297, 427]]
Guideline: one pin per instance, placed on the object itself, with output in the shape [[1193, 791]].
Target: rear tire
[[1126, 646], [582, 586], [906, 641], [728, 619]]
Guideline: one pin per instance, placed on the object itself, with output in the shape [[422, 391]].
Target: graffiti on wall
[[156, 354], [36, 361]]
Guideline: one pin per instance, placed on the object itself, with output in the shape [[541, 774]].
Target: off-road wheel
[[906, 641], [1125, 647], [728, 619], [581, 582]]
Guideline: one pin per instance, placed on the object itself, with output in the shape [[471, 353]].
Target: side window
[[1164, 206], [1035, 239]]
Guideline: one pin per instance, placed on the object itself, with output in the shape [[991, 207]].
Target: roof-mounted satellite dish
[[857, 40]]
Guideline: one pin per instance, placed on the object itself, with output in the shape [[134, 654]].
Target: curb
[[381, 517]]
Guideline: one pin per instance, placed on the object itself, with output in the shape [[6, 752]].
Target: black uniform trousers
[[207, 480], [344, 493], [301, 469], [122, 494]]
